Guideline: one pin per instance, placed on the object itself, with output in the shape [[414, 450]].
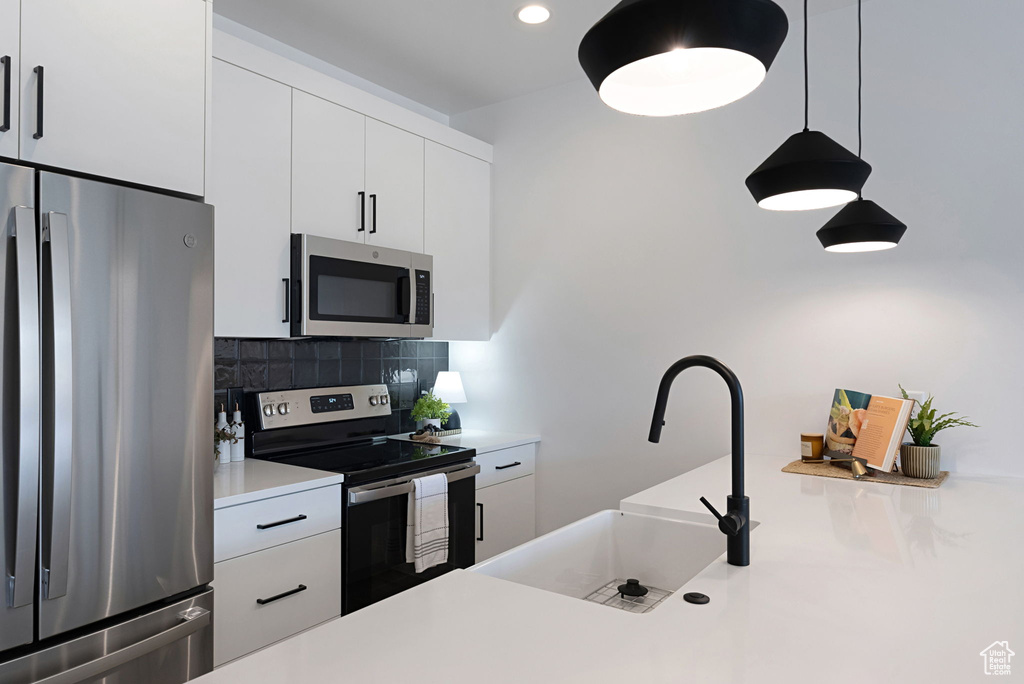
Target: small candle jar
[[812, 446]]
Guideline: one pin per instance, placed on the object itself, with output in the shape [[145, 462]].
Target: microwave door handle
[[404, 298], [20, 584], [57, 423]]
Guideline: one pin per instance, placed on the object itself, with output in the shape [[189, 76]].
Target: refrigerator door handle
[[192, 620], [20, 587], [57, 459]]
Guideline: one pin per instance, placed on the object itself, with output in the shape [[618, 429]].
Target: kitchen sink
[[582, 558]]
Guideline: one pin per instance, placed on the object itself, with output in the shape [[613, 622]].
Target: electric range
[[342, 430]]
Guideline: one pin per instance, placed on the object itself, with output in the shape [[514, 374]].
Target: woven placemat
[[826, 470]]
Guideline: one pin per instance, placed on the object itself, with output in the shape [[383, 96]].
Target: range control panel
[[289, 408]]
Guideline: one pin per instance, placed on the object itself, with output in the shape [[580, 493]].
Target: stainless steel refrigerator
[[107, 458]]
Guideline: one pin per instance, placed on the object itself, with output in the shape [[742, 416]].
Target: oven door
[[353, 290], [374, 536]]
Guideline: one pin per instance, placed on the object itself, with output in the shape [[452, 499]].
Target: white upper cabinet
[[250, 188], [9, 53], [328, 155], [394, 186], [457, 232], [115, 88]]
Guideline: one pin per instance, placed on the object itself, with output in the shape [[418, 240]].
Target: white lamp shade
[[448, 387]]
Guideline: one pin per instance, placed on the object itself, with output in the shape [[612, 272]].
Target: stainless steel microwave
[[348, 289]]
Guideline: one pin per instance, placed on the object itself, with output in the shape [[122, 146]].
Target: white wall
[[623, 243]]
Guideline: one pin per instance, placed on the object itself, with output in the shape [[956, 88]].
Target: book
[[866, 427]]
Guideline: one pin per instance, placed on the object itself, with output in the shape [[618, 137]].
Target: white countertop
[[253, 479], [481, 440], [848, 582]]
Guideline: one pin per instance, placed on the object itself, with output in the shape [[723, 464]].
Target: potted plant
[[920, 457], [431, 410]]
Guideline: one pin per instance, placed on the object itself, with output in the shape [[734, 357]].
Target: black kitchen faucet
[[735, 522]]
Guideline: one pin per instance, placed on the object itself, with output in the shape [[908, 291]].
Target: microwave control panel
[[422, 298]]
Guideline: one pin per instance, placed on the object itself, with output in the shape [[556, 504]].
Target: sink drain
[[609, 595]]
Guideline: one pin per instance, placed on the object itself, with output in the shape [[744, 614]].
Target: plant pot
[[436, 422], [921, 462]]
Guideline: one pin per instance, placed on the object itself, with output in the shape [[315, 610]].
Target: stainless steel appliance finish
[[168, 645], [411, 311], [107, 396], [295, 407], [19, 475], [403, 485], [343, 430]]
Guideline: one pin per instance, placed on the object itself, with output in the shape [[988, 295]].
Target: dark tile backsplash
[[407, 367]]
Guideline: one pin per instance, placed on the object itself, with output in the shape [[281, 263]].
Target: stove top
[[378, 460], [339, 429]]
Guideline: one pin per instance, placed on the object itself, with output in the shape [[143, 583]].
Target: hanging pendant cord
[[807, 91], [860, 85]]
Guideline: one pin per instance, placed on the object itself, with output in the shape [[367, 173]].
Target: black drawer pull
[[510, 465], [6, 125], [296, 590], [481, 537], [281, 522]]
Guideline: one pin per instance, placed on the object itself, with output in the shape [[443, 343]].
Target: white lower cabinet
[[277, 569], [267, 596], [505, 500]]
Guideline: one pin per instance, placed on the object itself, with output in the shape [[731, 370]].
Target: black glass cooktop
[[379, 460]]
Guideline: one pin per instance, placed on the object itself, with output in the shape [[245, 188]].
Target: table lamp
[[448, 388]]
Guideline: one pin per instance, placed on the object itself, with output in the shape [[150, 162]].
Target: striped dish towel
[[426, 533]]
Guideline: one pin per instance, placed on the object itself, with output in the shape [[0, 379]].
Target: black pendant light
[[669, 57], [862, 225], [810, 170]]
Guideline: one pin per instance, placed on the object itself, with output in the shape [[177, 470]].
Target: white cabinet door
[[249, 186], [327, 169], [10, 10], [505, 516], [457, 232], [394, 181], [124, 89]]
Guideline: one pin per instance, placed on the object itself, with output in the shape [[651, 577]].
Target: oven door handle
[[390, 488]]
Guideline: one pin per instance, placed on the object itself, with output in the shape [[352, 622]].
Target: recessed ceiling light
[[533, 14]]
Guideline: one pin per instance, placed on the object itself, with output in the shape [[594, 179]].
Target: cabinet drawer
[[250, 527], [504, 465], [243, 625]]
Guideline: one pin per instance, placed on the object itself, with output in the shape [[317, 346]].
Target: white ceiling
[[450, 55]]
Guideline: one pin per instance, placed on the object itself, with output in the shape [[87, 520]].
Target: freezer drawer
[[166, 646]]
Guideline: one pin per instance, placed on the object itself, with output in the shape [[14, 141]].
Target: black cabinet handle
[[510, 465], [39, 103], [362, 211], [373, 203], [296, 590], [287, 302], [6, 125], [281, 522], [481, 507]]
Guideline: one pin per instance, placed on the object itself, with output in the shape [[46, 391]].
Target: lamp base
[[454, 422]]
